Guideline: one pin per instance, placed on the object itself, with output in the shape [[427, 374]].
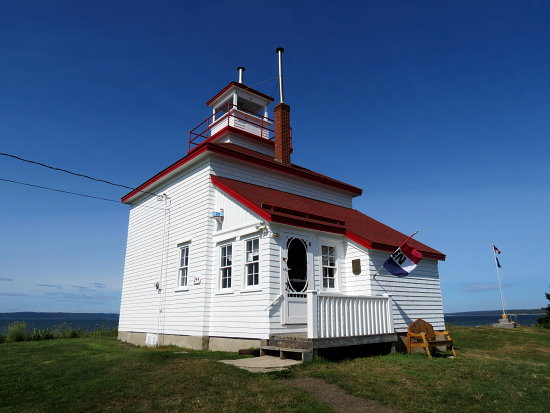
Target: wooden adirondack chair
[[421, 334]]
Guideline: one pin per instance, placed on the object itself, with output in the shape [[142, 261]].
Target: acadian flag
[[496, 251], [403, 260]]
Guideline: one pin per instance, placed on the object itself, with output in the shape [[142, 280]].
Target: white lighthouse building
[[234, 246]]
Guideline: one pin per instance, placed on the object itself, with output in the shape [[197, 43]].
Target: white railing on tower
[[334, 315]]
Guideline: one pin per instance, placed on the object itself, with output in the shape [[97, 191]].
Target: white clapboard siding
[[152, 256], [235, 215], [241, 312], [266, 149], [356, 284], [202, 308], [246, 172], [415, 296]]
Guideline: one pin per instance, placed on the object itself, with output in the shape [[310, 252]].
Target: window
[[184, 266], [356, 266], [252, 260], [226, 252], [329, 266], [221, 109], [249, 106]]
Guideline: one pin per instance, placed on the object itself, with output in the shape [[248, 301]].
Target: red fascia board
[[358, 239], [286, 169], [162, 173], [238, 197], [241, 86], [207, 146], [388, 248]]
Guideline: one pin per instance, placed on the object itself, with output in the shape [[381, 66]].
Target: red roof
[[241, 86], [285, 208], [247, 155]]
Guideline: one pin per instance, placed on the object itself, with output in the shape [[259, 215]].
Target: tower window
[[249, 106]]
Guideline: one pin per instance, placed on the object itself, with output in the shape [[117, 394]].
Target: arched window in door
[[297, 265]]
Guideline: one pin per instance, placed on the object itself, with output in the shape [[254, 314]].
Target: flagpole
[[499, 283], [403, 243]]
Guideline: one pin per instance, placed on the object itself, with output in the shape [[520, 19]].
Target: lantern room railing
[[234, 117]]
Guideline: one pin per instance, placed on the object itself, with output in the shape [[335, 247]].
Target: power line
[[265, 81], [83, 195], [74, 173], [59, 190]]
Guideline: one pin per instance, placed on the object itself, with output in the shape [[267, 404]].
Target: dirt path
[[336, 398]]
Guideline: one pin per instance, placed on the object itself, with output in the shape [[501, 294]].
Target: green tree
[[544, 321]]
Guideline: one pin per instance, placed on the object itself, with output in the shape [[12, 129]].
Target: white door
[[297, 275]]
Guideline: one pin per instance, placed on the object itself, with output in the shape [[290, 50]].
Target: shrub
[[17, 331], [38, 334], [2, 338], [545, 320], [103, 330], [65, 330]]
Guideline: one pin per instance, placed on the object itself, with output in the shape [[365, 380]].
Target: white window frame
[[327, 265], [226, 267], [251, 262], [183, 267]]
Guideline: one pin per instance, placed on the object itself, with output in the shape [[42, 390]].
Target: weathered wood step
[[291, 342], [304, 354]]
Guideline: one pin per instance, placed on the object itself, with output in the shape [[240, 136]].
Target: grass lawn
[[495, 371], [101, 374]]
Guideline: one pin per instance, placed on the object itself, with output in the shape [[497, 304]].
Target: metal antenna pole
[[280, 51]]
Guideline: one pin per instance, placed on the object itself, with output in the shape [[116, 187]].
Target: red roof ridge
[[242, 86]]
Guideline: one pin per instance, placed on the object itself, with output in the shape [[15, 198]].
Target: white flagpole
[[403, 243], [499, 283]]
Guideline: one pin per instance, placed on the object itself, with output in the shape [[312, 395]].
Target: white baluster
[[312, 314]]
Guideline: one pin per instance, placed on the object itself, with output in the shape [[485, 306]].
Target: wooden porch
[[336, 320]]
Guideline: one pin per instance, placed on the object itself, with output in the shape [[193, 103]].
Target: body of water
[[482, 320], [93, 324], [51, 323]]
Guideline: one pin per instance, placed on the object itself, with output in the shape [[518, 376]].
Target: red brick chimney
[[283, 142]]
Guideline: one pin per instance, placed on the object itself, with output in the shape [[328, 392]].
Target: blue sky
[[438, 111]]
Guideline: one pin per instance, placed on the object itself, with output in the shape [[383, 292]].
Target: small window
[[329, 266], [252, 261], [221, 109], [356, 266], [184, 266], [226, 259]]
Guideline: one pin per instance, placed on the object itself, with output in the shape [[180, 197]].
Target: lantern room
[[236, 107]]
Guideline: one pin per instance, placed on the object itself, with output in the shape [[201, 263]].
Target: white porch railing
[[332, 315]]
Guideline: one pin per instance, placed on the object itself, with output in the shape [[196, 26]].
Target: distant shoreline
[[34, 315], [536, 311]]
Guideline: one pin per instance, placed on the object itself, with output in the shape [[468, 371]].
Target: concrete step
[[284, 353]]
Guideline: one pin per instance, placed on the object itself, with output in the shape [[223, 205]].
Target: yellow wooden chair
[[421, 334]]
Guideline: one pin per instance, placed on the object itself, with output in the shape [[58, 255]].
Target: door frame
[[289, 319]]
